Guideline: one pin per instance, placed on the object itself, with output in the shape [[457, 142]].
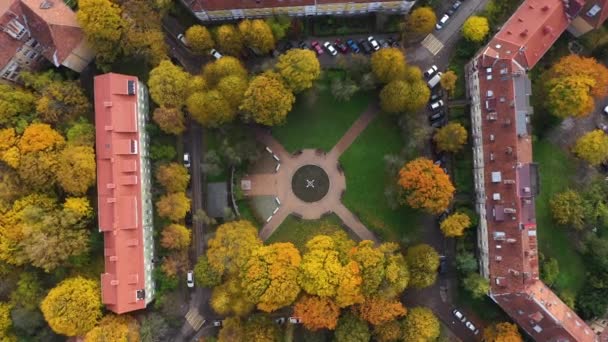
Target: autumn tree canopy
[[592, 147], [317, 312], [421, 21], [403, 96], [199, 39], [229, 40], [76, 169], [425, 186], [299, 68], [257, 35], [226, 66], [568, 208], [114, 328], [420, 324], [175, 236], [455, 225], [502, 332], [103, 25], [40, 137], [62, 101], [448, 81], [173, 206], [423, 262], [232, 88], [351, 329], [475, 28], [15, 102], [268, 100], [388, 64], [210, 109], [477, 285], [451, 137], [170, 120], [234, 242], [173, 177], [204, 274], [73, 307], [320, 269], [379, 311], [168, 85]]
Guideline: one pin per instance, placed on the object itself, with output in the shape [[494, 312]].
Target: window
[[131, 87]]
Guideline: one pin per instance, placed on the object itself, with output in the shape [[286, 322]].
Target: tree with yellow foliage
[[78, 206], [476, 284], [349, 287], [372, 262], [421, 21], [388, 64], [176, 237], [228, 298], [320, 269], [232, 330], [448, 81], [317, 312], [257, 35], [204, 274], [38, 169], [223, 67], [73, 307], [229, 40], [572, 65], [9, 153], [502, 332], [425, 186], [261, 328], [173, 177], [234, 242], [114, 328], [40, 137], [592, 147], [170, 120], [232, 88], [451, 137], [268, 100], [103, 26], [455, 225], [168, 85], [269, 278], [401, 96], [62, 101], [76, 169], [387, 332], [423, 262], [378, 310], [421, 325], [299, 68], [210, 108], [173, 206], [174, 263], [475, 28], [199, 39], [14, 103], [568, 208], [5, 321]]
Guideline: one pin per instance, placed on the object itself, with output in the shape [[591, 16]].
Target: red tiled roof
[[119, 192], [597, 20], [8, 44], [214, 5], [511, 177]]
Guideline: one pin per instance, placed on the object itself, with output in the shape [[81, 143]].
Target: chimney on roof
[[547, 29], [546, 8], [524, 33]]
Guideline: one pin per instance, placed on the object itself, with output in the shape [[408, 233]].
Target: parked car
[[182, 39], [190, 278], [374, 43], [436, 116], [471, 327], [343, 48], [302, 45], [434, 81], [443, 264], [441, 23], [353, 46], [317, 47], [294, 320], [217, 323], [435, 106], [367, 48], [431, 71], [215, 54], [392, 42], [459, 315], [330, 48], [434, 97], [439, 123], [383, 43], [456, 5], [606, 110], [187, 159]]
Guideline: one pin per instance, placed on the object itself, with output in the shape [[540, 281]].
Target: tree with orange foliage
[[173, 206], [378, 310], [170, 120], [502, 332], [425, 186], [349, 288], [39, 137], [317, 312], [173, 177], [176, 237]]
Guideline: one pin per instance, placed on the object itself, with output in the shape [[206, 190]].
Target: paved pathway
[[279, 182]]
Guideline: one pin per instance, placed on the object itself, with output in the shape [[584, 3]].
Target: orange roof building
[[506, 178], [208, 10], [36, 32], [123, 190]]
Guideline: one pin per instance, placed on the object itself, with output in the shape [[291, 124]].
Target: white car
[[471, 327], [187, 159], [441, 23], [436, 105], [217, 323], [373, 43], [294, 320], [606, 110], [190, 279], [182, 39], [432, 70], [330, 48], [459, 315], [215, 54]]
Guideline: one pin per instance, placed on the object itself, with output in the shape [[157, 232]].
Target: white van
[[436, 105], [434, 81]]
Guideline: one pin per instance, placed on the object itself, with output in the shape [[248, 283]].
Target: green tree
[[73, 307], [104, 26], [204, 274], [210, 108], [388, 65], [592, 147], [549, 271], [257, 35], [387, 332], [421, 325], [168, 85], [421, 21], [423, 262], [268, 100], [477, 285], [279, 25], [229, 40], [466, 263], [451, 137], [29, 291], [351, 329], [81, 133], [199, 39], [568, 208], [475, 28], [343, 89], [299, 68], [153, 328]]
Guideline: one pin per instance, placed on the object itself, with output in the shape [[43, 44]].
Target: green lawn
[[299, 232], [366, 179], [555, 170], [320, 125]]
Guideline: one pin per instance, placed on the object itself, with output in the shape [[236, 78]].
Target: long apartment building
[[506, 177], [210, 10], [35, 33], [123, 190]]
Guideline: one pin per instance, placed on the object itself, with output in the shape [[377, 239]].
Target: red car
[[341, 46], [318, 48]]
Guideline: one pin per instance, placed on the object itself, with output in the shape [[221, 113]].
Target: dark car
[[383, 43], [443, 264], [343, 48], [437, 116], [353, 46], [317, 47], [302, 45], [439, 123], [367, 48], [456, 6], [392, 42]]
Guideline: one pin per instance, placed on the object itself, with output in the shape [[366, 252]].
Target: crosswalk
[[432, 44], [194, 319]]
